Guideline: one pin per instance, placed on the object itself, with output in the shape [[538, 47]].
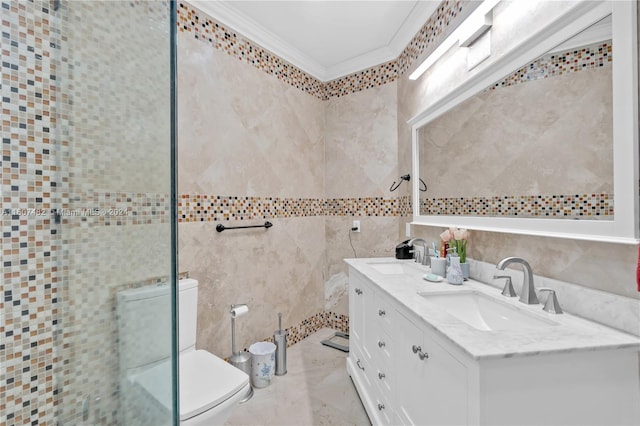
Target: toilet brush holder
[[280, 339]]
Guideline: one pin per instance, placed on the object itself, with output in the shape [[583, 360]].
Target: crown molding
[[359, 63], [419, 15], [255, 32]]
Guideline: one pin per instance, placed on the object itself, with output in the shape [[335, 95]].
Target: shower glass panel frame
[[88, 209]]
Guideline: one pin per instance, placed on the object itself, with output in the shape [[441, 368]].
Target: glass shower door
[[88, 218], [118, 284]]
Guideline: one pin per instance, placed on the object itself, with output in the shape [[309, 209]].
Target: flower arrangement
[[457, 237]]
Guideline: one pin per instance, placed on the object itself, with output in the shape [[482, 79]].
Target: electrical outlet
[[356, 226], [407, 229]]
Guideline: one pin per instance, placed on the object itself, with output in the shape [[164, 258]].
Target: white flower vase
[[465, 270]]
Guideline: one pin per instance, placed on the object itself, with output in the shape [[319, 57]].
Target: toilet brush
[[280, 339]]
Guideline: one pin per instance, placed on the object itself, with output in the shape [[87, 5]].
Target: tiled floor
[[315, 391]]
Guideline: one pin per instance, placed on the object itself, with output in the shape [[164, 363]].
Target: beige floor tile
[[315, 391]]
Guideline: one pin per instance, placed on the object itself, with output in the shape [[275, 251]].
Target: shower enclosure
[[87, 202]]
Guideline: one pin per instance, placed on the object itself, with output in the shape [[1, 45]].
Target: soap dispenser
[[454, 275]]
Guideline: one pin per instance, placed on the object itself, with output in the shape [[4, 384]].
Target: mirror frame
[[624, 226]]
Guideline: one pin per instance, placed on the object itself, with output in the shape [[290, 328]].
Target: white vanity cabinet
[[396, 384], [407, 371], [432, 386], [371, 349]]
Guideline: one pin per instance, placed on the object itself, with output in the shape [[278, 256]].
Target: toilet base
[[248, 396], [219, 414]]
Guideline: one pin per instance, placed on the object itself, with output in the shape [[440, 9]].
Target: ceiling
[[327, 39]]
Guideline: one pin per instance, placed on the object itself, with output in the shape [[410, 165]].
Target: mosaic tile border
[[208, 30], [102, 209], [305, 328], [362, 80], [557, 206], [430, 32], [366, 206], [587, 57], [213, 208]]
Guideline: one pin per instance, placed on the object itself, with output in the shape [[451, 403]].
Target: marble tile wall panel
[[275, 270], [244, 132], [378, 238], [360, 143], [360, 152], [251, 147]]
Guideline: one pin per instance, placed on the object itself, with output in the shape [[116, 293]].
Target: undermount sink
[[393, 268], [484, 312]]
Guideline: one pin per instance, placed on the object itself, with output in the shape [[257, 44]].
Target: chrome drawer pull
[[380, 407], [359, 366], [381, 376], [381, 312], [358, 291], [381, 344]]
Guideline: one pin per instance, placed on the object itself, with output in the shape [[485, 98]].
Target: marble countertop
[[569, 334]]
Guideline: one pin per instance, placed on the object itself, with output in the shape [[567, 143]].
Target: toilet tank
[[188, 313], [144, 322], [144, 325]]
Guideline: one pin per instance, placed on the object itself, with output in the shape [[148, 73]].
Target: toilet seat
[[206, 381]]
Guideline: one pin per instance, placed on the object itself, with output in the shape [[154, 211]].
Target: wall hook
[[407, 177]]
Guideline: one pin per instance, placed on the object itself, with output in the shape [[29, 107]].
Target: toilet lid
[[205, 381]]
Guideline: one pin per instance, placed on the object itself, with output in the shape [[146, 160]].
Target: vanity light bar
[[468, 32]]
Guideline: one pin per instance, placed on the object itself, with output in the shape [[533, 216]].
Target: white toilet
[[210, 388]]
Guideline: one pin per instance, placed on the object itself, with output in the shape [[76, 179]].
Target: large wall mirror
[[543, 140]]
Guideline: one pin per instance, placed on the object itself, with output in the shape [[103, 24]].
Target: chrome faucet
[[528, 292], [425, 253]]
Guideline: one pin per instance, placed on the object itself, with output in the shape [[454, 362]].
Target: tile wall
[[32, 276], [277, 154], [251, 148]]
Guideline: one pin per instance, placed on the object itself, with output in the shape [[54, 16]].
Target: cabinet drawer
[[361, 364], [384, 412], [380, 345], [383, 311], [383, 375]]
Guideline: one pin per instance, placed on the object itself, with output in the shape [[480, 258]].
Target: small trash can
[[263, 363]]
